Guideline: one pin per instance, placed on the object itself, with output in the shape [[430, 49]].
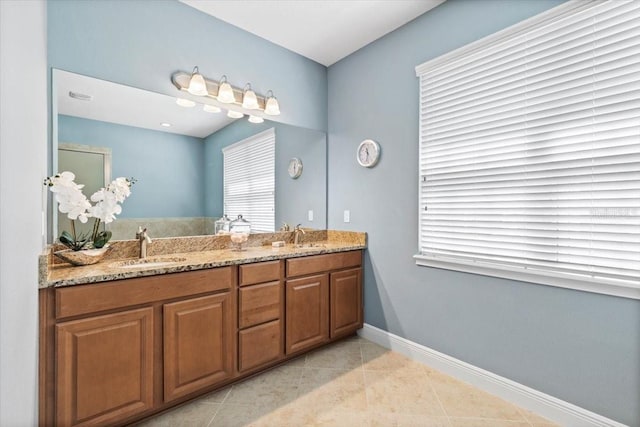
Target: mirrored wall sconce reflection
[[223, 92]]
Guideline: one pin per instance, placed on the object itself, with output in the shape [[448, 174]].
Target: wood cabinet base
[[114, 353]]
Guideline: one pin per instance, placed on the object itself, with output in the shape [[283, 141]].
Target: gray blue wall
[[580, 347], [140, 43], [294, 197], [169, 167]]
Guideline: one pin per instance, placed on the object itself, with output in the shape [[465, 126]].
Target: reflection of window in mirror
[[92, 167], [249, 180]]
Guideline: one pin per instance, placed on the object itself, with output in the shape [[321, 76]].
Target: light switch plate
[[347, 216], [310, 215]]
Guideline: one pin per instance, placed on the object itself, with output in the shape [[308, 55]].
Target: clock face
[[368, 153], [295, 168]]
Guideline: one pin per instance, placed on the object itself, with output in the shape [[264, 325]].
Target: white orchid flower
[[75, 204]]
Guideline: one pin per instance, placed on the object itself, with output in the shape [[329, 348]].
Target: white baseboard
[[559, 411]]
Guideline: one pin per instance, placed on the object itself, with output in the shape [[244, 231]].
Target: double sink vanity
[[127, 338]]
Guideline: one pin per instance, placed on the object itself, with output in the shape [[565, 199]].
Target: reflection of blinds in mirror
[[249, 180]]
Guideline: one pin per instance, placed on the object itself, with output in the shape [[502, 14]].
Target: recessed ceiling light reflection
[[185, 102], [164, 124], [234, 114], [211, 108]]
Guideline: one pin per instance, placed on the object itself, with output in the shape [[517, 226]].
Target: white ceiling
[[125, 105], [323, 30]]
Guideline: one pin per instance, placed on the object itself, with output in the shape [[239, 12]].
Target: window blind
[[530, 150], [249, 180]]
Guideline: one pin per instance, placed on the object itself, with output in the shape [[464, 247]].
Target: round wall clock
[[295, 167], [368, 153]]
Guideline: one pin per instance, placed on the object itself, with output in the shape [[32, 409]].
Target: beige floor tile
[[190, 415], [335, 418], [536, 419], [378, 358], [401, 392], [344, 355], [323, 390], [273, 388], [298, 361], [217, 396], [483, 422], [350, 383], [406, 420], [463, 400]]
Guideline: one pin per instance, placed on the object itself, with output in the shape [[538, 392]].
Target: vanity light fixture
[[271, 106], [235, 114], [249, 98], [211, 108], [225, 92], [197, 85], [256, 119], [187, 103]]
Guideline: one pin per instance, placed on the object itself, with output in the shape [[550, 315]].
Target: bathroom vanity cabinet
[[115, 352], [324, 299]]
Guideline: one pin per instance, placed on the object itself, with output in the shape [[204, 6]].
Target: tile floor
[[351, 383]]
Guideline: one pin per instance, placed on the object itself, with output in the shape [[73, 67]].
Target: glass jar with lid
[[223, 225], [240, 229]]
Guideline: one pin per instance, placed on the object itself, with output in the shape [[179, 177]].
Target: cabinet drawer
[[260, 272], [259, 304], [77, 300], [259, 345], [322, 263]]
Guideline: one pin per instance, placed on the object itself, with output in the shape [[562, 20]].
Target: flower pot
[[83, 257]]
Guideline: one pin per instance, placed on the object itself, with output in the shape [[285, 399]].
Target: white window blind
[[530, 151], [249, 180]]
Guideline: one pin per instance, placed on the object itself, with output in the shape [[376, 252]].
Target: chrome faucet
[[296, 234], [143, 240]]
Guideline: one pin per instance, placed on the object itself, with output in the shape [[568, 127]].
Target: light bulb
[[249, 98], [225, 92], [197, 85], [271, 106]]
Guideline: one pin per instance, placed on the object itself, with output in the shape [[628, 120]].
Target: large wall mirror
[[175, 154]]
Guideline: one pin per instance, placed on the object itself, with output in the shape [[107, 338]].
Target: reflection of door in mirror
[[92, 167]]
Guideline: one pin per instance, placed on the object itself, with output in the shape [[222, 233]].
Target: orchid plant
[[75, 204]]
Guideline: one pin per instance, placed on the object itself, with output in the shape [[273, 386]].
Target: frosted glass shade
[[249, 99], [197, 85], [225, 92], [272, 107]]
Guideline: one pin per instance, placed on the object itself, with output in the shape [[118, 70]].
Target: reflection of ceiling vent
[[80, 96]]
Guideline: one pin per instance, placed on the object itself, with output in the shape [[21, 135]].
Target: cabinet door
[[104, 368], [198, 344], [346, 302], [307, 312]]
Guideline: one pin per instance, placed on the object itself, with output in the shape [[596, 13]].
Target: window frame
[[601, 285]]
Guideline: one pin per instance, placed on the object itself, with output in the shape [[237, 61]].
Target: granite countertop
[[54, 274]]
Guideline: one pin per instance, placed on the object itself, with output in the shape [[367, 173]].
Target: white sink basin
[[148, 262]]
